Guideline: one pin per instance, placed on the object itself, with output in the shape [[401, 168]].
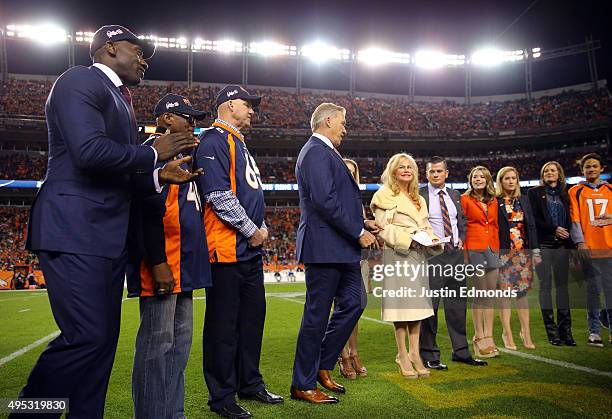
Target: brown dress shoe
[[326, 381], [315, 396]]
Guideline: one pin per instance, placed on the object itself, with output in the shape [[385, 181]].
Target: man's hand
[[163, 280], [562, 233], [367, 239], [583, 251], [537, 259], [258, 238], [602, 220], [169, 145], [372, 227], [460, 244], [173, 173]]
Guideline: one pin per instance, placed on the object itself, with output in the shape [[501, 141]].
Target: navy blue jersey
[[228, 166]]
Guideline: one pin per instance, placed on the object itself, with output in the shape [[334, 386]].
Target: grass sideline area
[[525, 383]]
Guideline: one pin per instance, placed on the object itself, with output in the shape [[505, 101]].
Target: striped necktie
[[448, 228]]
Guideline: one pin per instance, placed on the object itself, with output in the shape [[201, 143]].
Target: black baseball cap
[[113, 33], [233, 91], [174, 103]]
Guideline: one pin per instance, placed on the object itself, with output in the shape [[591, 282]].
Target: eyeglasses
[[190, 119]]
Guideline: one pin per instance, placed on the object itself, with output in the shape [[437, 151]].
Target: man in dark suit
[[329, 238], [79, 220], [447, 219]]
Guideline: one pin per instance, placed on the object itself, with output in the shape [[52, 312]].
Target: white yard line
[[557, 363], [25, 297], [28, 347]]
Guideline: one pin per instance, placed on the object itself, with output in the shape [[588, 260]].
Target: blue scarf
[[558, 215]]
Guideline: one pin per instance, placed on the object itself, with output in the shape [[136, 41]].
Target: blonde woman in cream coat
[[402, 212]]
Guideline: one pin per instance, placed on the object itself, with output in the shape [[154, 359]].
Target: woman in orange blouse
[[482, 243]]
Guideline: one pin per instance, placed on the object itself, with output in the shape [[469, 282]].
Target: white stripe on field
[[549, 361], [29, 347], [24, 310], [33, 344]]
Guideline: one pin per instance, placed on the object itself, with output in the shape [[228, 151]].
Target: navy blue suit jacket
[[331, 211], [95, 167]]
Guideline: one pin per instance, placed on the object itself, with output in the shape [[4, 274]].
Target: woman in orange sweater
[[482, 243]]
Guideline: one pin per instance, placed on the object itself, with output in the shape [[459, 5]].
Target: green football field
[[546, 382]]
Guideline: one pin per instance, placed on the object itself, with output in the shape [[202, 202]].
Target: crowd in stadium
[[286, 109], [13, 227], [32, 166]]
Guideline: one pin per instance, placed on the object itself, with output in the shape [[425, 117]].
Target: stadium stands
[[285, 109]]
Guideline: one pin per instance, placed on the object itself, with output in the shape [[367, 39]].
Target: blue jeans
[[162, 350], [598, 276]]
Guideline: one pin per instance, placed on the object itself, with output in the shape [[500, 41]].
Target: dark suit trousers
[[322, 337], [454, 312], [233, 330], [85, 295]]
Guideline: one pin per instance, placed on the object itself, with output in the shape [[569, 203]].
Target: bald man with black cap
[[79, 221], [232, 192]]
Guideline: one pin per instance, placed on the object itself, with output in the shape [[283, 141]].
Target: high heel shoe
[[420, 368], [346, 368], [358, 366], [410, 374], [506, 344], [488, 352], [530, 346]]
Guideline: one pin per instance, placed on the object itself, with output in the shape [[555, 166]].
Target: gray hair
[[322, 112]]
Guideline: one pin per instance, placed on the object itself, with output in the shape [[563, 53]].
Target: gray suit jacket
[[456, 197]]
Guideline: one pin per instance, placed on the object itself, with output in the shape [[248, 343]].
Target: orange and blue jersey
[[228, 166], [588, 201], [184, 239]]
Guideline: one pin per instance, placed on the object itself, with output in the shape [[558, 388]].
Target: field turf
[[549, 382]]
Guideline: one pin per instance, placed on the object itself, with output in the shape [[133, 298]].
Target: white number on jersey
[[591, 203], [251, 172], [193, 196]]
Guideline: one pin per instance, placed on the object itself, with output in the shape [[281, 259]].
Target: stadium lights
[[375, 56], [84, 36], [269, 48], [46, 33], [321, 52], [492, 57], [222, 45], [536, 52], [170, 43], [435, 59]]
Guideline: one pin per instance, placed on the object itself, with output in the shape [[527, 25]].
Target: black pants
[[555, 263], [454, 312], [85, 296], [233, 330]]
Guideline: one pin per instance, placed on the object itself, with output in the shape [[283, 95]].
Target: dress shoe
[[358, 366], [471, 361], [569, 341], [507, 343], [417, 363], [436, 365], [488, 352], [346, 368], [263, 396], [233, 410], [527, 346], [315, 396], [406, 373], [326, 381]]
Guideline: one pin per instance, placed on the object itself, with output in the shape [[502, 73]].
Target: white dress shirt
[[435, 212], [110, 73]]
